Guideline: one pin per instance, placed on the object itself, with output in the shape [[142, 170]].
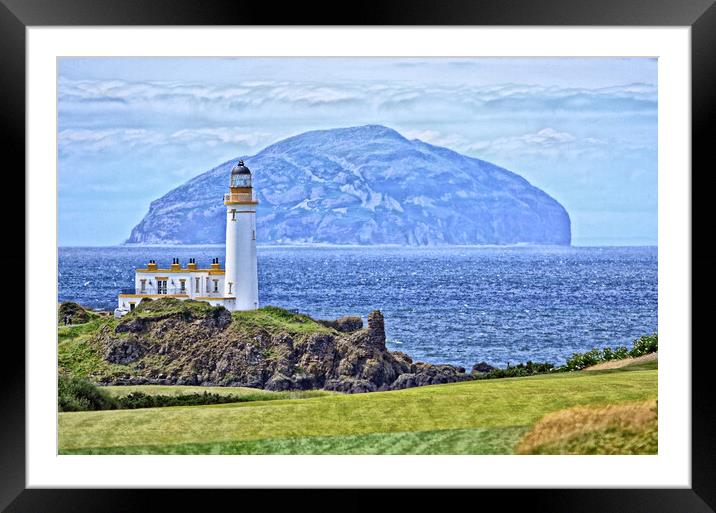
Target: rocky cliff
[[363, 185], [191, 343]]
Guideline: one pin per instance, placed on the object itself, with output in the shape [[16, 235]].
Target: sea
[[457, 305]]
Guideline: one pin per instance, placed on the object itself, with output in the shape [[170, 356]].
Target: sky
[[584, 130]]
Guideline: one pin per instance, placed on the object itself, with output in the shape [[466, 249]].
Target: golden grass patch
[[628, 428]]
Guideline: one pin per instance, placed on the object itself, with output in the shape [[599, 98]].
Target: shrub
[[75, 394], [644, 345], [608, 354], [522, 369], [620, 353], [142, 400], [579, 361]]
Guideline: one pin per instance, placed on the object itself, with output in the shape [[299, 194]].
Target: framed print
[[407, 248]]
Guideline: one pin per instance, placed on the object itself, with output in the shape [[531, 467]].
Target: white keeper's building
[[234, 287]]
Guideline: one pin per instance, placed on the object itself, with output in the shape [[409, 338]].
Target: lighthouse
[[241, 279], [235, 287]]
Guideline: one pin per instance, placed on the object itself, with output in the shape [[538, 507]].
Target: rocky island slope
[[363, 185], [168, 341]]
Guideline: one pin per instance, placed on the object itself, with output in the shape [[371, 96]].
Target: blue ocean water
[[456, 305]]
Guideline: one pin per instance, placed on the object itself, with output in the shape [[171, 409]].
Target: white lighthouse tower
[[235, 287], [241, 278]]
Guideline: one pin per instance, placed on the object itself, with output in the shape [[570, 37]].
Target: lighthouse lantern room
[[235, 287]]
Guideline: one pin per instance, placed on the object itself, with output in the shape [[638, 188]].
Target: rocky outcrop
[[188, 343], [482, 368], [344, 324], [124, 351]]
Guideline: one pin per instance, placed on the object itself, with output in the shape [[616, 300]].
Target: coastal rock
[[279, 382], [404, 361], [376, 329], [191, 343], [404, 381], [219, 319], [134, 325], [429, 374], [124, 351], [304, 382], [350, 385], [482, 368], [344, 324], [128, 380]]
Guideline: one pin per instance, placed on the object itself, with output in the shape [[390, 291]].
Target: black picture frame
[[699, 15]]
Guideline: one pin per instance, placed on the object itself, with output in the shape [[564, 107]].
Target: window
[[144, 286], [161, 286], [182, 286], [131, 306], [197, 285], [230, 284], [216, 285]]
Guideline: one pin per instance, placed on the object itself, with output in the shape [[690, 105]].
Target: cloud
[[273, 97], [315, 95], [101, 116], [545, 143], [94, 141], [243, 94], [462, 63], [74, 141], [437, 138], [218, 135]]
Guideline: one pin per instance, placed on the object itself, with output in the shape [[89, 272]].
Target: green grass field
[[474, 417]]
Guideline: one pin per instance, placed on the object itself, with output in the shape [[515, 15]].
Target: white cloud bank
[[82, 141], [547, 143]]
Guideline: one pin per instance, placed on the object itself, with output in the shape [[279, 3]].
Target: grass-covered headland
[[535, 413]]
